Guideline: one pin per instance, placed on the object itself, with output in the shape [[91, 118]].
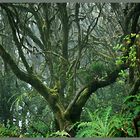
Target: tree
[[53, 44]]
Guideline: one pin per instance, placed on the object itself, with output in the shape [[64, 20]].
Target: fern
[[101, 125], [107, 115], [60, 134], [104, 124]]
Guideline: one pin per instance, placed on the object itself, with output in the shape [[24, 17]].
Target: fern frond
[[102, 124]]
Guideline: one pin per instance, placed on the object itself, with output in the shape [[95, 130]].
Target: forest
[[69, 70]]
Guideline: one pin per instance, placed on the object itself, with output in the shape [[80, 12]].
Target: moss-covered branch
[[33, 80], [75, 107]]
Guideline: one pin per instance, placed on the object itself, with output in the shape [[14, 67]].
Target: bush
[[104, 124]]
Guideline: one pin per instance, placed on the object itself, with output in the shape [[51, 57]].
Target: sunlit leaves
[[62, 134], [131, 57]]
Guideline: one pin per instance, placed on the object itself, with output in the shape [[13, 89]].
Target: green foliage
[[94, 70], [9, 131], [119, 61], [132, 56], [123, 74], [32, 135], [106, 124], [62, 134], [97, 67], [132, 103], [40, 126], [101, 125], [124, 126], [132, 53], [37, 129], [118, 47]]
